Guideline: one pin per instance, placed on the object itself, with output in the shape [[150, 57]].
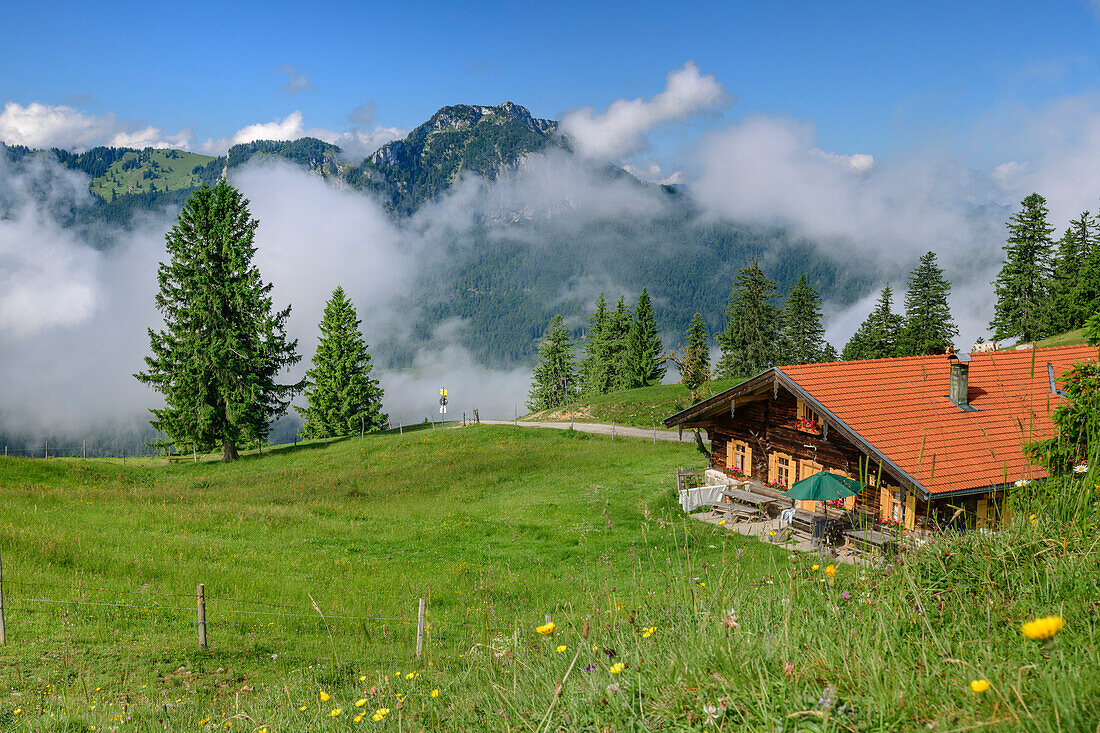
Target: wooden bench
[[732, 511]]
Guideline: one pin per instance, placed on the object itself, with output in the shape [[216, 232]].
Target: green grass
[[642, 408], [170, 170], [1070, 338], [497, 527]]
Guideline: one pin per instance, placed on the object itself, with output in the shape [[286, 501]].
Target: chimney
[[960, 381]]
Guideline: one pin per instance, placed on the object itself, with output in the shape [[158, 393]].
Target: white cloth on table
[[700, 496]]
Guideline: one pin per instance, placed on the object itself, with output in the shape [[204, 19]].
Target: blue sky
[[872, 77]]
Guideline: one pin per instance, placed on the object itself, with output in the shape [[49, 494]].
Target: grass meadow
[[644, 407], [313, 559]]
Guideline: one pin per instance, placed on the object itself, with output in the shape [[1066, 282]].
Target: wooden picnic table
[[747, 497], [871, 537]]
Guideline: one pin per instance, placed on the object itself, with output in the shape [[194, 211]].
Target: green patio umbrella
[[824, 486]]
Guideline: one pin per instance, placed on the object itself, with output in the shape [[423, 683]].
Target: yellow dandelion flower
[[979, 686], [362, 678], [546, 629], [409, 676], [360, 702], [335, 713], [722, 523], [357, 718], [816, 567], [616, 668], [562, 648], [17, 711], [435, 692], [377, 717], [830, 570], [204, 721], [325, 697], [302, 708], [1042, 629]]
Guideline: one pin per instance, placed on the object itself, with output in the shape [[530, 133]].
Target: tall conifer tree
[[1085, 292], [751, 340], [929, 328], [644, 365], [554, 380], [878, 336], [223, 346], [803, 331], [1064, 313], [619, 322], [694, 363], [1022, 308], [342, 397], [595, 369]]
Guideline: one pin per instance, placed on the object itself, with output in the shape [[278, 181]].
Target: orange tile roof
[[900, 407]]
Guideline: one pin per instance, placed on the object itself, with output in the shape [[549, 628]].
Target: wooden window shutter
[[910, 510], [885, 499], [731, 448], [983, 510], [748, 460], [773, 467]]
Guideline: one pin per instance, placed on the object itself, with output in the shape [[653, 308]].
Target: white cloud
[[296, 81], [623, 127], [1055, 152], [44, 126], [650, 171], [358, 143]]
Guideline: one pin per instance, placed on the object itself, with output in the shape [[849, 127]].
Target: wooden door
[[805, 470]]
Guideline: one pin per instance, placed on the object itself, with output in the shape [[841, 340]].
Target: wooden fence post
[[123, 457], [420, 629], [3, 634], [654, 434], [47, 449], [201, 600], [613, 430], [84, 448]]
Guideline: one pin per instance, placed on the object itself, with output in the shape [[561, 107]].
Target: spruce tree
[[222, 348], [644, 365], [619, 322], [1066, 311], [554, 380], [929, 328], [878, 336], [1022, 308], [803, 333], [342, 397], [1086, 288], [751, 340], [694, 363], [595, 369]]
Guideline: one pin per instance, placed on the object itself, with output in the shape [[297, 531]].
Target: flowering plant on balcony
[[808, 424], [890, 523], [777, 485], [834, 503], [735, 473]]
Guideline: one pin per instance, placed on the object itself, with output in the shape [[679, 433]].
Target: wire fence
[[114, 612]]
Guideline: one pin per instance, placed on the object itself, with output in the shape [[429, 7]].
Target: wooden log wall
[[770, 425]]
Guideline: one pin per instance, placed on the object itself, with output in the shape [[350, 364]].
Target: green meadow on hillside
[[313, 559], [640, 408], [150, 170]]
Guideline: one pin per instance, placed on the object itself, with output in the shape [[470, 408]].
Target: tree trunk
[[229, 451], [700, 445]]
